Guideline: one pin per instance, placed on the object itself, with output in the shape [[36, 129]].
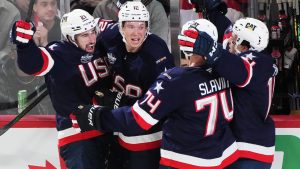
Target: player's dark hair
[[245, 43]]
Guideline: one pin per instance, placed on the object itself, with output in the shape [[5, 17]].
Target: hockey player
[[195, 116], [73, 69], [136, 60], [253, 74]]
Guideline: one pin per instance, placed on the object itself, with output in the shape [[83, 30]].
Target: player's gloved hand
[[88, 117], [22, 32], [201, 43], [186, 43], [110, 99]]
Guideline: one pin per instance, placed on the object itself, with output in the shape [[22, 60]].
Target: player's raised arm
[[31, 59]]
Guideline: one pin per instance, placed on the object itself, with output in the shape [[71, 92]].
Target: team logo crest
[[111, 58], [86, 58], [250, 26]]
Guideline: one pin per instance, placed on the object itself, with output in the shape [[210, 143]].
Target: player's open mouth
[[135, 40], [90, 47]]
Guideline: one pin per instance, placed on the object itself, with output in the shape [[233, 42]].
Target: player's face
[[46, 10], [134, 34], [87, 40]]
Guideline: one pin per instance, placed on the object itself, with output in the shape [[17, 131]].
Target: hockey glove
[[203, 45], [88, 117], [186, 43], [110, 99], [22, 32]]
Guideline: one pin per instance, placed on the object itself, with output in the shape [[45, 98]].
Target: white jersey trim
[[50, 62], [141, 139], [68, 132], [250, 72], [196, 161], [256, 148], [148, 118]]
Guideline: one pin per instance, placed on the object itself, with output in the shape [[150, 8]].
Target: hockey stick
[[29, 12], [23, 113], [14, 104]]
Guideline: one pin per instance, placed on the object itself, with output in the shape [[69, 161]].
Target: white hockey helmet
[[205, 25], [253, 31], [202, 25], [133, 11], [76, 22]]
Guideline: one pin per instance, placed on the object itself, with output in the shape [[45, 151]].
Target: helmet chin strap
[[70, 39]]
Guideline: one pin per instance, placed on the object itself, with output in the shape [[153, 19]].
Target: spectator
[[22, 5], [87, 5], [73, 70], [8, 15], [46, 21], [166, 5], [108, 9], [194, 111], [12, 79]]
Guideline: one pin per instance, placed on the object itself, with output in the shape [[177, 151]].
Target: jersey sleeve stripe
[[48, 63], [249, 73], [143, 119], [178, 160], [71, 135], [141, 143], [141, 138]]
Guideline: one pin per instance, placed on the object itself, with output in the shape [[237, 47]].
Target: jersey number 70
[[213, 102]]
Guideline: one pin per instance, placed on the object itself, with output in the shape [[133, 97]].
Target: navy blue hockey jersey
[[253, 76], [72, 76], [195, 107], [220, 21], [133, 73], [109, 33]]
